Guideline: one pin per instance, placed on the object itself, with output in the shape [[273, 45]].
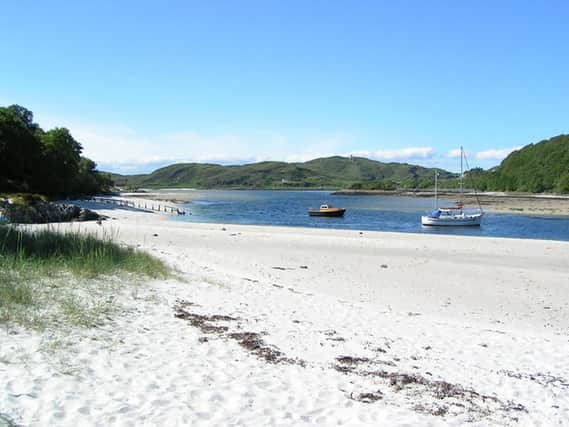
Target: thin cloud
[[496, 154], [118, 148], [454, 154], [305, 157], [404, 153], [360, 153], [131, 168]]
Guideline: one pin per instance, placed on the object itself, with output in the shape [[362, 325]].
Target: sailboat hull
[[455, 216], [460, 220]]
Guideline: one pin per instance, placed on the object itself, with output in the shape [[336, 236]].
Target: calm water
[[380, 213]]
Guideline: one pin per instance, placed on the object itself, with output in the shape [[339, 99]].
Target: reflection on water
[[381, 213]]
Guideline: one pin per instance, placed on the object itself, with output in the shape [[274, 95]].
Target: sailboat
[[456, 215]]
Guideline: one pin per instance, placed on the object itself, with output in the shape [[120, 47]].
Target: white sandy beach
[[292, 326]]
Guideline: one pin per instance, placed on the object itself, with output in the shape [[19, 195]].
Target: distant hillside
[[536, 168], [330, 172]]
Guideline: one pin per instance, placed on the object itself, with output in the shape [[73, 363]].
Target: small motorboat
[[326, 210]]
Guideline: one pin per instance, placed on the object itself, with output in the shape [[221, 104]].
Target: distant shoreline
[[445, 193], [499, 202]]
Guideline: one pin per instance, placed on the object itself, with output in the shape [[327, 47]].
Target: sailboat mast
[[436, 187], [461, 173]]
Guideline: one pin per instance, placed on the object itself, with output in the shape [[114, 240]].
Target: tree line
[[46, 162], [537, 168]]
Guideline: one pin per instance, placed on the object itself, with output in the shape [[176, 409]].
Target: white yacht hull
[[453, 216], [452, 220]]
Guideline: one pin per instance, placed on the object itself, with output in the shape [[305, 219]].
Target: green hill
[[330, 172], [536, 168]]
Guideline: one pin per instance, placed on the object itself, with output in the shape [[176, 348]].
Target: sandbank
[[530, 204]]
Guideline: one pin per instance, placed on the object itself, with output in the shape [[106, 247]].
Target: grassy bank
[[65, 278]]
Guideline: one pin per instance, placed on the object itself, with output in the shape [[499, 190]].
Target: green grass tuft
[[47, 277]]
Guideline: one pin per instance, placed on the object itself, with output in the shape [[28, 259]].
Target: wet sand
[[491, 202]]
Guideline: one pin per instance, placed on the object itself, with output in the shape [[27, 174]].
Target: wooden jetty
[[149, 205]]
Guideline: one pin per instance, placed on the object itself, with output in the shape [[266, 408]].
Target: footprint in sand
[[84, 410], [152, 386]]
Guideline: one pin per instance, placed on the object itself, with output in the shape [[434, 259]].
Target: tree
[[61, 157], [50, 163], [88, 180], [19, 149], [563, 184], [25, 115]]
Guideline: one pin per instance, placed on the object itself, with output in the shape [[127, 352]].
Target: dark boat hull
[[331, 213]]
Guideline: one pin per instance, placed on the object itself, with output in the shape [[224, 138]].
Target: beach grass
[[49, 277]]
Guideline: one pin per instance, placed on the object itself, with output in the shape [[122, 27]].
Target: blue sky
[[142, 84]]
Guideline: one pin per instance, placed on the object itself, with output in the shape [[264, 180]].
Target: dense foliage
[[46, 162], [536, 168], [330, 172]]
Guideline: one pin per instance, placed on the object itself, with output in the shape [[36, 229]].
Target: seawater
[[377, 213]]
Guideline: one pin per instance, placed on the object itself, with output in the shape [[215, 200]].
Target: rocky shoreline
[[40, 212]]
